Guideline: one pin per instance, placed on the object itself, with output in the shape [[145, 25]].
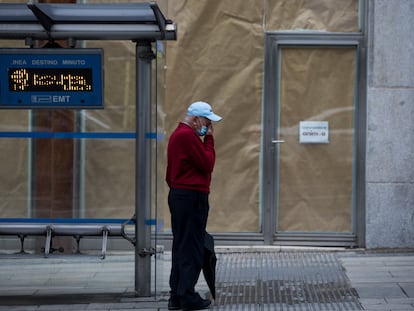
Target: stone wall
[[390, 125]]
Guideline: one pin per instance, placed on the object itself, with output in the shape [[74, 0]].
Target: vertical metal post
[[144, 55]]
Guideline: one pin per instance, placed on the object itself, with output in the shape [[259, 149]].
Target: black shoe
[[173, 304], [202, 304]]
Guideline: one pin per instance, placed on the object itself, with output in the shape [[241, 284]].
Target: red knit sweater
[[190, 160]]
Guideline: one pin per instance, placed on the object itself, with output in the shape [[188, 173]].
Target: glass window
[[321, 15]]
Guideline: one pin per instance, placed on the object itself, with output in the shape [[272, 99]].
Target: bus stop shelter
[[142, 23]]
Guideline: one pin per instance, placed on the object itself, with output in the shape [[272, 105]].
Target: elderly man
[[191, 158]]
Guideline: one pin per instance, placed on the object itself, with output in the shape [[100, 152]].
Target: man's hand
[[210, 130]]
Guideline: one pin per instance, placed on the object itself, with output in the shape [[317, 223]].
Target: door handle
[[277, 141]]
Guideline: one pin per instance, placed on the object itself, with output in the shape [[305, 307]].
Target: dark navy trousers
[[189, 213]]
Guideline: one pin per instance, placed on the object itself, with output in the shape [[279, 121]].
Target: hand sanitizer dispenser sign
[[314, 132]]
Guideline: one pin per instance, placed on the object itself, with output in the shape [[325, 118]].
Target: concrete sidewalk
[[384, 281], [248, 278]]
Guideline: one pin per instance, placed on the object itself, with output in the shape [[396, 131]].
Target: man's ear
[[195, 120]]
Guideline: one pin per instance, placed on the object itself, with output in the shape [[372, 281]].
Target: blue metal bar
[[95, 135], [26, 135], [80, 135]]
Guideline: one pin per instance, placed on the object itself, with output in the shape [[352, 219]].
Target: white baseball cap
[[202, 109]]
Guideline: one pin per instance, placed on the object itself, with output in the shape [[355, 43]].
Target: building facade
[[315, 146]]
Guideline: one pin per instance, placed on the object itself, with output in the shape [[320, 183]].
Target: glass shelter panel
[[14, 164], [317, 124], [14, 188], [109, 178], [108, 174], [14, 152]]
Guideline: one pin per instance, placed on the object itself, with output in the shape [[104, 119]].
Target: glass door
[[309, 162], [316, 123]]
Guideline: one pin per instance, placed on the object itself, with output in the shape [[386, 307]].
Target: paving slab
[[378, 290]]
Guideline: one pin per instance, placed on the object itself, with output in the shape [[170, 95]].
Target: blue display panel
[[51, 78]]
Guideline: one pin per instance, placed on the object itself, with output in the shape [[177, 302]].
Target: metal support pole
[[144, 55]]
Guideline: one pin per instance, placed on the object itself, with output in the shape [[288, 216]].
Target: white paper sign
[[314, 132]]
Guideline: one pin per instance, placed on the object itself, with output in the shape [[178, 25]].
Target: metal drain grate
[[283, 281]]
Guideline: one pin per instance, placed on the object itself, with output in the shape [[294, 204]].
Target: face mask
[[202, 131]]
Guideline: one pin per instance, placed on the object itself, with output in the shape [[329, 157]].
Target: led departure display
[[50, 80]]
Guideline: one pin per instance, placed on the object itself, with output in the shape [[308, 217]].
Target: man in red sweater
[[190, 163]]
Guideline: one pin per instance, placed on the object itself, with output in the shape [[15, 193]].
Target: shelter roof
[[58, 21]]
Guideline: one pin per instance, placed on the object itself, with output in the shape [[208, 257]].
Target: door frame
[[269, 166]]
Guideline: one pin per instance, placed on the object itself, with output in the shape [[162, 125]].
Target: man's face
[[204, 121]]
